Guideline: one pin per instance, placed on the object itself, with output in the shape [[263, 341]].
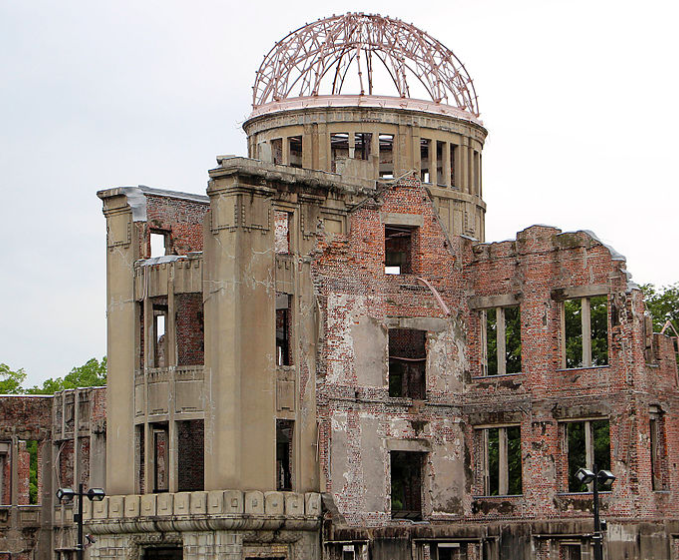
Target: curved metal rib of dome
[[315, 59]]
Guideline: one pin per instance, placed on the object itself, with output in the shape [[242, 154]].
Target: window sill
[[501, 497], [582, 368], [586, 495], [496, 376]]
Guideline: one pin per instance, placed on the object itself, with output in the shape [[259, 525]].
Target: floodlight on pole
[[93, 494]]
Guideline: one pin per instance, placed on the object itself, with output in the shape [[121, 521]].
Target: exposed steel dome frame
[[314, 61]]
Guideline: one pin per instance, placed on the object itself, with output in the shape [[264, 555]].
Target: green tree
[[91, 374], [663, 304], [10, 380]]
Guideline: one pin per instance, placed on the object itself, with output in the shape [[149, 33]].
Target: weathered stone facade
[[322, 358]]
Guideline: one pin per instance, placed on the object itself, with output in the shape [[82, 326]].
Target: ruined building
[[322, 358]]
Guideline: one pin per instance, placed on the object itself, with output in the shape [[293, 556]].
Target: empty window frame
[[5, 474], [588, 444], [425, 160], [295, 151], [453, 156], [501, 340], [406, 484], [161, 457], [570, 551], [33, 473], [284, 455], [140, 458], [452, 551], [398, 249], [160, 336], [585, 328], [164, 553], [158, 243], [277, 151], [407, 363], [440, 177], [190, 329], [339, 148], [659, 466], [190, 455], [362, 145], [501, 460], [386, 170], [281, 232], [283, 330]]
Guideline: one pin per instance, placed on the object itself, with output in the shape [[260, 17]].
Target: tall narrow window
[[386, 156], [425, 175], [161, 457], [588, 444], [339, 148], [281, 232], [501, 457], [295, 151], [277, 151], [398, 249], [33, 474], [585, 326], [407, 363], [502, 334], [658, 450], [284, 457], [440, 179], [406, 484], [453, 177], [190, 329], [160, 336], [5, 474], [283, 330], [362, 145], [140, 458], [190, 455]]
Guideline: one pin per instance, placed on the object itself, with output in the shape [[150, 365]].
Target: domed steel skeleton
[[315, 59]]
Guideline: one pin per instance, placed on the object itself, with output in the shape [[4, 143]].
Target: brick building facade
[[323, 358]]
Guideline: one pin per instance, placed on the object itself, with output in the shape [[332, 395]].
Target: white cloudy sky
[[580, 98]]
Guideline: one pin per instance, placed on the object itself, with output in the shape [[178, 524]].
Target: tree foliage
[[91, 374], [663, 304], [11, 380]]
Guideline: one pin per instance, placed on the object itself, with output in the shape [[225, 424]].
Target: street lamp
[[606, 479], [93, 494]]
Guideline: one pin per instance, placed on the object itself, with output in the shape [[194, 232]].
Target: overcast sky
[[581, 100]]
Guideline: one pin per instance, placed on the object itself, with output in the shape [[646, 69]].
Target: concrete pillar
[[239, 336], [123, 250], [433, 163]]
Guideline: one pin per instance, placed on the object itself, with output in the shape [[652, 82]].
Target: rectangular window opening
[[571, 551], [502, 461], [398, 249], [295, 151], [164, 553], [284, 457], [406, 484], [190, 329], [140, 459], [339, 148], [158, 244], [588, 444], [5, 474], [33, 485], [407, 363], [453, 156], [585, 324], [386, 156], [161, 457], [362, 145], [190, 455], [502, 340], [425, 175], [281, 232], [451, 551], [659, 467], [277, 151], [160, 336], [440, 179], [283, 330]]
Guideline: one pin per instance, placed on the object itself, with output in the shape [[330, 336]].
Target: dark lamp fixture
[[96, 494], [65, 494]]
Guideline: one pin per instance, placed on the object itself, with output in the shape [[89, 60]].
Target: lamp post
[[67, 494], [605, 478]]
